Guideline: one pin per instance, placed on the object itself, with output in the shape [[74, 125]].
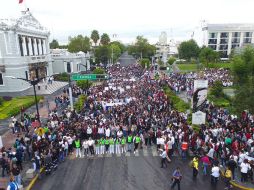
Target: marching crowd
[[131, 111]]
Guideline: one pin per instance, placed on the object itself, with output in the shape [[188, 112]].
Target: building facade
[[223, 38], [64, 61], [24, 52]]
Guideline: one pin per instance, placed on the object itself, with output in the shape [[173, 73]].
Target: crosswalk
[[51, 88], [151, 152]]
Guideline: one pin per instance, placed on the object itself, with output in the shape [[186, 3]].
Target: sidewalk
[[8, 140]]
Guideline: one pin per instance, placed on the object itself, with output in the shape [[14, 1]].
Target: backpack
[[13, 186], [228, 173]]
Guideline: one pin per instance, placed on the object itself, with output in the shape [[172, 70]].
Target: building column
[[24, 45], [44, 46], [30, 46], [35, 47], [241, 39], [39, 45], [218, 42], [229, 42], [252, 38]]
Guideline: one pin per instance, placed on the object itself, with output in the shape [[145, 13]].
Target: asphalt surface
[[132, 172], [126, 59]]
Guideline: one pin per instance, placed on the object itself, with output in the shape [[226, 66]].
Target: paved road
[[126, 59], [127, 172]]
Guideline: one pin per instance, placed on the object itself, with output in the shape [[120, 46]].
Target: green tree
[[142, 48], [217, 89], [145, 63], [54, 44], [102, 54], [188, 49], [84, 84], [105, 39], [243, 71], [208, 55], [95, 36], [116, 51], [120, 45], [171, 60], [98, 70], [79, 43]]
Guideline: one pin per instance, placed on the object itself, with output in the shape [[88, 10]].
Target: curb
[[31, 184]]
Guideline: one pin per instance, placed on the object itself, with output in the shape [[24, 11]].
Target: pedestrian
[[215, 174], [97, 147], [117, 142], [184, 150], [91, 145], [111, 145], [206, 162], [129, 142], [12, 185], [228, 177], [77, 146], [107, 145], [85, 147], [37, 165], [195, 167], [16, 173], [5, 164], [176, 178], [163, 158], [123, 145], [232, 166], [136, 140], [245, 167], [102, 145]]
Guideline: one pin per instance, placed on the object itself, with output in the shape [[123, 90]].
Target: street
[[130, 172]]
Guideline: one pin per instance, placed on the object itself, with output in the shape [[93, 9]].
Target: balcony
[[37, 58]]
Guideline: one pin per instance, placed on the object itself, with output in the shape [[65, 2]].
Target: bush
[[171, 60], [217, 89], [62, 77], [79, 105], [177, 102], [145, 63], [98, 70]]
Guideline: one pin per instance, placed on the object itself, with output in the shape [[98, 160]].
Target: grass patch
[[227, 65], [12, 107], [177, 102], [223, 102], [187, 67]]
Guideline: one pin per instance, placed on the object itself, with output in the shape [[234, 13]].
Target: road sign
[[88, 76]]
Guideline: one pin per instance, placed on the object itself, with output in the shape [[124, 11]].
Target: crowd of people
[[130, 111]]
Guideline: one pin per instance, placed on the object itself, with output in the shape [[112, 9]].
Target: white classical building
[[225, 37], [24, 47], [64, 61]]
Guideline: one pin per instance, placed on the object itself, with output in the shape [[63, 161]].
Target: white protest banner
[[1, 142], [128, 87]]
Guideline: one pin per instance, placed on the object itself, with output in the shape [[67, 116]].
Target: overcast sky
[[129, 18]]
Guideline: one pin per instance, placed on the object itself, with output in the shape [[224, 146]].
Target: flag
[[21, 1]]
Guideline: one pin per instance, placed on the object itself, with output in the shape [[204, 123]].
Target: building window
[[224, 35], [247, 40], [223, 41], [27, 46], [236, 34], [212, 35], [1, 79], [20, 45], [68, 67], [235, 40], [223, 47], [32, 44], [212, 47], [26, 73], [37, 44], [248, 34], [42, 49], [212, 41]]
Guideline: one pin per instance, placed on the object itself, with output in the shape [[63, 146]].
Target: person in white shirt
[[245, 167], [89, 132], [85, 147], [215, 174], [91, 145], [108, 132]]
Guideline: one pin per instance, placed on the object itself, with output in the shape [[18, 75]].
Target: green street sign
[[88, 77]]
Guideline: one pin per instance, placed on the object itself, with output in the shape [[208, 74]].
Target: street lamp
[[33, 83]]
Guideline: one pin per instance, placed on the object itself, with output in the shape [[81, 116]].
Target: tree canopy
[[105, 39], [116, 51], [188, 49], [95, 36], [243, 71], [79, 43], [208, 55], [142, 48], [54, 44], [102, 54]]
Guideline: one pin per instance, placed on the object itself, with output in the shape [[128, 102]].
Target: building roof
[[27, 23], [229, 27]]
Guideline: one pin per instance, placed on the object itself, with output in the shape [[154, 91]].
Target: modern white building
[[225, 37], [64, 61], [24, 47]]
